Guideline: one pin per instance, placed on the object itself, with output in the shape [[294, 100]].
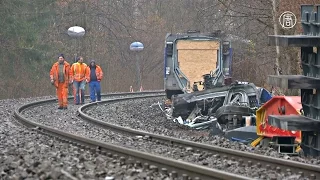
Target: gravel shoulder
[[26, 154]]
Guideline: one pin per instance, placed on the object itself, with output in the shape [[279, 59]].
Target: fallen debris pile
[[220, 109]]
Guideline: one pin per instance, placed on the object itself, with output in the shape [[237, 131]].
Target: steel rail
[[306, 170], [150, 161], [36, 103]]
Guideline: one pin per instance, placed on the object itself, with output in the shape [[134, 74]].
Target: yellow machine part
[[298, 149], [257, 141], [260, 115]]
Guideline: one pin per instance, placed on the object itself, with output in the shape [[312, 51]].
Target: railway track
[[176, 169], [246, 159]]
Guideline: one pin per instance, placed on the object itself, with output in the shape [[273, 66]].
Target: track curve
[[279, 165], [154, 162]]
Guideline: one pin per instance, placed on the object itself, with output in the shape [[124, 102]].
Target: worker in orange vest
[[96, 74], [59, 76], [79, 76]]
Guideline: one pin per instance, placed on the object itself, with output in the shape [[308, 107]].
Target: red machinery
[[278, 105]]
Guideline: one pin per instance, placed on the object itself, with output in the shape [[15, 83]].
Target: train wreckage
[[231, 106], [213, 97], [213, 101], [242, 111]]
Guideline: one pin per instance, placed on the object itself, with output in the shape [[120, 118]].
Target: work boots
[[60, 107]]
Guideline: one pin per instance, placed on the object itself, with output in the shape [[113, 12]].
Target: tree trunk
[[275, 30]]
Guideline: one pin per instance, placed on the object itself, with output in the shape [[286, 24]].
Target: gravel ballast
[[26, 154], [138, 114]]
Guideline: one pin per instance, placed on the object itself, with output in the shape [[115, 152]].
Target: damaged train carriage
[[212, 97], [188, 56]]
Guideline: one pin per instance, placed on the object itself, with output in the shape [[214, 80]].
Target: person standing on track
[[79, 76], [59, 77], [94, 81]]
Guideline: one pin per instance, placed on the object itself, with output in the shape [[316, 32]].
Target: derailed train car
[[204, 59], [189, 55]]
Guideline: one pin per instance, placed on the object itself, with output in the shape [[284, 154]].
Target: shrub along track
[[30, 116], [212, 156]]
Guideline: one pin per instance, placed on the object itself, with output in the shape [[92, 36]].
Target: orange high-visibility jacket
[[54, 72], [79, 72], [99, 73]]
